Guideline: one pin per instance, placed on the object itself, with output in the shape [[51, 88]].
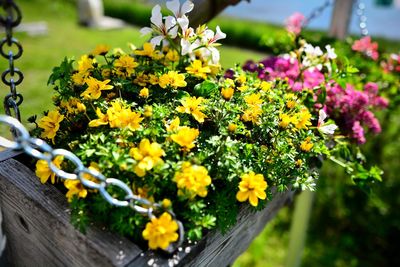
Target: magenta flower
[[364, 45], [295, 22]]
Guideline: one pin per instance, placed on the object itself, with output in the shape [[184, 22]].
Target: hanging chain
[[39, 149], [316, 12], [12, 76], [362, 18]]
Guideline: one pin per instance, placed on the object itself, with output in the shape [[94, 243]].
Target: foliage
[[164, 120]]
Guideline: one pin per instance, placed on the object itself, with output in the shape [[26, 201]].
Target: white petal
[[328, 129], [146, 30], [219, 34], [170, 22], [187, 7], [156, 16], [214, 55], [156, 40], [322, 116], [184, 23], [173, 32], [174, 6], [185, 47]]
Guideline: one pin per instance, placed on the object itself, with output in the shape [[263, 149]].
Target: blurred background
[[348, 226]]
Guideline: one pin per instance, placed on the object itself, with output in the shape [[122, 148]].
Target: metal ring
[[13, 41], [119, 184], [10, 97], [10, 7], [9, 103], [90, 184], [40, 145], [23, 134], [11, 81], [139, 209], [69, 156]]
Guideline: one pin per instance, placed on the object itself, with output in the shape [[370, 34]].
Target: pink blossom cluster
[[392, 64], [286, 68], [351, 109], [364, 45], [295, 22]]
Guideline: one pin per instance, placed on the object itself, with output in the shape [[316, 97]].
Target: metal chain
[[362, 18], [12, 76], [39, 149], [316, 12]]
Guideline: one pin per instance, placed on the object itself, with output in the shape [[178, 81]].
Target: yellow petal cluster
[[125, 65], [185, 137], [172, 79], [43, 170], [196, 69], [147, 156], [192, 105], [252, 187], [306, 145], [161, 232], [50, 124], [193, 179], [303, 119], [101, 49], [95, 87]]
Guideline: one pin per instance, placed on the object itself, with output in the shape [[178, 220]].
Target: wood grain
[[36, 222]]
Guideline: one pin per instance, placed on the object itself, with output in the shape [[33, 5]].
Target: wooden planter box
[[39, 233]]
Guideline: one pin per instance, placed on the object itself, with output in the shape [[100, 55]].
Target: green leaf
[[206, 88]]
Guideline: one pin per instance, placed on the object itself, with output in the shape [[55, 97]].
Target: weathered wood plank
[[38, 231], [205, 10], [341, 18]]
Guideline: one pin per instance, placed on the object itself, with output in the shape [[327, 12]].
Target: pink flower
[[358, 133], [367, 47], [295, 22]]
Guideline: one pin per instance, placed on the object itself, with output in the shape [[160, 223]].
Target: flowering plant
[[166, 121]]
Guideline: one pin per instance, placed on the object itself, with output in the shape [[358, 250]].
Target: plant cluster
[[168, 122]]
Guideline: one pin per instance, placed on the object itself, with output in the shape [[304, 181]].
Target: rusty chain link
[[39, 149], [12, 76]]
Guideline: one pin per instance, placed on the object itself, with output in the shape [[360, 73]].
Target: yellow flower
[[95, 87], [74, 187], [227, 93], [166, 203], [148, 111], [285, 120], [252, 114], [101, 50], [125, 65], [192, 105], [306, 145], [50, 124], [197, 69], [144, 92], [265, 86], [172, 55], [174, 125], [124, 118], [291, 104], [232, 127], [85, 63], [148, 50], [43, 170], [73, 105], [79, 78], [160, 232], [153, 79], [102, 119], [185, 137], [193, 179], [173, 79], [252, 187], [147, 156], [141, 79], [243, 88], [241, 79], [303, 119], [253, 100]]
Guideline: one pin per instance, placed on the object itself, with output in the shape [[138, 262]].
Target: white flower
[[323, 127], [312, 51], [211, 38], [330, 52], [178, 10], [161, 30]]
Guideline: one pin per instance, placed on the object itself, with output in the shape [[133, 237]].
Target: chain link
[[362, 18], [316, 12], [39, 149], [12, 76]]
